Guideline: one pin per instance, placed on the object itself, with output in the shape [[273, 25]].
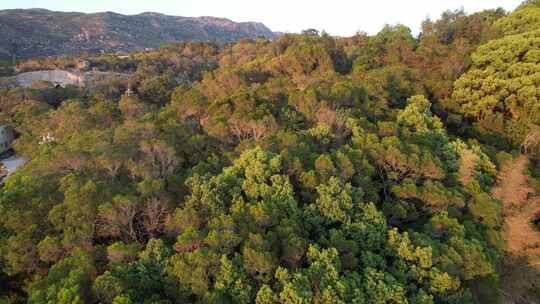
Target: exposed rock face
[[39, 32], [59, 77]]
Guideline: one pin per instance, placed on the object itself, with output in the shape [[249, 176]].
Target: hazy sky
[[337, 17]]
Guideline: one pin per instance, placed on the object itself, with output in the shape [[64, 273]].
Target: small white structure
[[7, 135], [47, 139]]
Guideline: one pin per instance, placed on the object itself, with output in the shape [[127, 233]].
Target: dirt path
[[521, 269], [519, 206], [512, 188], [466, 168]]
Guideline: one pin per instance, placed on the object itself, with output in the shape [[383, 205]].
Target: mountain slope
[[40, 32]]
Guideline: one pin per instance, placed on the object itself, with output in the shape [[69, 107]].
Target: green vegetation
[[306, 169]]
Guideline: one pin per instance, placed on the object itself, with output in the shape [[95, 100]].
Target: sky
[[337, 17]]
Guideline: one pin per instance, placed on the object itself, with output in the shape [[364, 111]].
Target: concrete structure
[[12, 163], [7, 135]]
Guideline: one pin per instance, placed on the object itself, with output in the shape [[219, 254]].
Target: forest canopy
[[303, 169]]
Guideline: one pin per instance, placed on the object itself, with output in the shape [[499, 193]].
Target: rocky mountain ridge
[[26, 33]]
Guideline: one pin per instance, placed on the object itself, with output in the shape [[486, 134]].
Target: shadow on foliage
[[520, 280]]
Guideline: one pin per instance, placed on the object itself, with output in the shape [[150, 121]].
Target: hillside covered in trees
[[303, 169], [28, 33]]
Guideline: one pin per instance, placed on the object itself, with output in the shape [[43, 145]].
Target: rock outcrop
[[58, 77]]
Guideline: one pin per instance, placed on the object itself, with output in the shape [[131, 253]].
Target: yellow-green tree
[[500, 92]]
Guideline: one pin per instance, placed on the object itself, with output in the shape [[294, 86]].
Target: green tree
[[157, 89], [68, 281], [499, 91]]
